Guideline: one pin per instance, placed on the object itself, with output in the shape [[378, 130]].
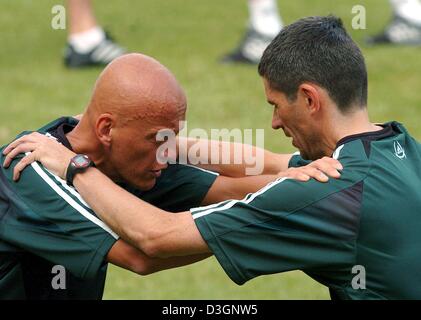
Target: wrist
[[77, 164]]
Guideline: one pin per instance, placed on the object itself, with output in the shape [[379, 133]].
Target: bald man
[[43, 220]]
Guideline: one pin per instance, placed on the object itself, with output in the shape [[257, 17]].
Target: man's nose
[[276, 121]]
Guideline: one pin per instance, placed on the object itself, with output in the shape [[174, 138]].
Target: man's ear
[[104, 125], [311, 96]]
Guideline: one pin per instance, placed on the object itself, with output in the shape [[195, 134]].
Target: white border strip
[[337, 152], [231, 203], [209, 206], [70, 201], [70, 189], [192, 166]]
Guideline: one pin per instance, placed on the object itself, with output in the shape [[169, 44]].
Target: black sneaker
[[250, 49], [400, 32], [106, 51]]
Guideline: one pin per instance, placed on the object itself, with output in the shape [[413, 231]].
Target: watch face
[[81, 161]]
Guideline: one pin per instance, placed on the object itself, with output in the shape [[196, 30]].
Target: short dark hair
[[320, 51]]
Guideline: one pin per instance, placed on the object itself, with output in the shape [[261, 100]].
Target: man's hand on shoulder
[[320, 170]]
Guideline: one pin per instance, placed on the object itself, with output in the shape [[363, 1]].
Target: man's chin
[[148, 186], [144, 185]]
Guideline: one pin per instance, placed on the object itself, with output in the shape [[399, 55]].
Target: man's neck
[[81, 141], [84, 141], [341, 126]]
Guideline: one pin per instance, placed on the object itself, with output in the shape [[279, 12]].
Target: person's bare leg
[[87, 41], [81, 16]]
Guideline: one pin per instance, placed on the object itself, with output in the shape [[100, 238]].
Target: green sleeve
[[287, 225], [297, 161], [41, 214]]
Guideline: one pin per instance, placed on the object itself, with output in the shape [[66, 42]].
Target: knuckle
[[318, 163], [290, 172], [313, 170], [24, 160]]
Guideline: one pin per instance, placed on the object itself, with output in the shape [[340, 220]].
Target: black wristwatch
[[79, 163]]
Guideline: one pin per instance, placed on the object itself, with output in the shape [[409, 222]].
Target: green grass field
[[188, 36]]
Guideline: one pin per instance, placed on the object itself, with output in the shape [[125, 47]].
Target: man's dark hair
[[320, 51]]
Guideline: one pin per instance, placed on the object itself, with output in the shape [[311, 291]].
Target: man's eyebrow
[[163, 132], [271, 102]]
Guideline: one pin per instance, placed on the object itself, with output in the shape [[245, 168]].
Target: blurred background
[[189, 37]]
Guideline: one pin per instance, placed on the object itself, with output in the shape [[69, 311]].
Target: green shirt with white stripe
[[44, 222], [358, 235]]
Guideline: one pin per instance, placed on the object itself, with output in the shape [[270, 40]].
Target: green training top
[[360, 235], [44, 222]]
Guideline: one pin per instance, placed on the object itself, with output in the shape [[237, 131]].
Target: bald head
[[135, 86], [134, 99]]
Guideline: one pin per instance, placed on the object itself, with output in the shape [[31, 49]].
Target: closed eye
[[273, 104]]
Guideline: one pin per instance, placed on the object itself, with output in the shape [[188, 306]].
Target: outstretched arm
[[222, 157], [236, 180], [155, 232]]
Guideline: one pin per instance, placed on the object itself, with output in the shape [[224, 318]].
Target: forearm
[[159, 264], [81, 16], [230, 159], [130, 258], [155, 232]]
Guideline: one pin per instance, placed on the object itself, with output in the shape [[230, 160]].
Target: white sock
[[85, 41], [409, 10], [264, 17]]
